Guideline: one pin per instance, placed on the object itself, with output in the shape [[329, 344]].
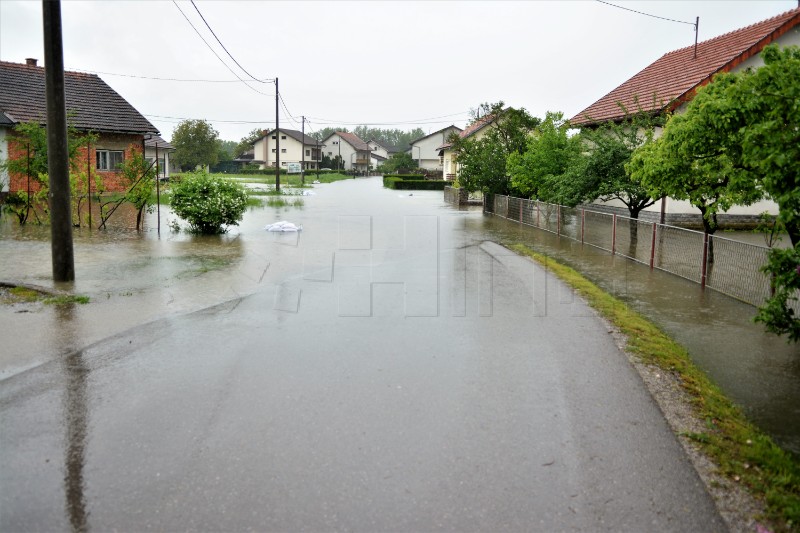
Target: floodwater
[[139, 278]]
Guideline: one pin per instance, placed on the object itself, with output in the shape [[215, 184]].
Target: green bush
[[395, 182], [406, 176], [208, 203]]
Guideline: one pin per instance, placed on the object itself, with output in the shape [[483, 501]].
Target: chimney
[[30, 61]]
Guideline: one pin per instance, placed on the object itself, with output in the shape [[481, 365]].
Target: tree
[[482, 162], [225, 150], [694, 160], [609, 148], [550, 167], [399, 160], [195, 143], [247, 142]]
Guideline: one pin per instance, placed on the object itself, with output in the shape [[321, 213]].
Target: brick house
[[92, 106]]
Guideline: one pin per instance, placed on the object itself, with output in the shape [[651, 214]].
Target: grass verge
[[742, 452]]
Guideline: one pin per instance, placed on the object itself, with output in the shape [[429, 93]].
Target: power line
[[214, 52], [222, 45], [150, 77], [427, 120], [645, 14]]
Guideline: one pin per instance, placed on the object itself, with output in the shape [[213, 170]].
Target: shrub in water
[[208, 203]]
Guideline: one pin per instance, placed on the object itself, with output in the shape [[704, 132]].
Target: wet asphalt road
[[426, 381]]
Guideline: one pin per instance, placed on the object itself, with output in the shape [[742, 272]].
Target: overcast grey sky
[[388, 64]]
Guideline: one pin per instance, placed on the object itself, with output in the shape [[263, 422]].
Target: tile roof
[[162, 144], [451, 126], [351, 139], [390, 148], [91, 103], [473, 128], [294, 134], [672, 79]]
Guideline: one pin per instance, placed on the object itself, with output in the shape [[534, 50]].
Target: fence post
[[537, 214], [583, 222], [704, 268], [614, 234], [653, 248], [508, 199], [558, 219], [520, 210]]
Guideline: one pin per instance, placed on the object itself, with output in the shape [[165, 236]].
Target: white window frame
[[103, 160]]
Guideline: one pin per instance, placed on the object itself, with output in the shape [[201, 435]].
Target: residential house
[[383, 149], [248, 158], [92, 106], [447, 156], [354, 152], [156, 148], [376, 159], [670, 82], [292, 145], [425, 150]]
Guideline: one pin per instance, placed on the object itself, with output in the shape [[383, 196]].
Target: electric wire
[[149, 77], [214, 52], [222, 45], [645, 14]]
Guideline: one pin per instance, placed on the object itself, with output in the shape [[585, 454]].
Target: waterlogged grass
[[289, 180], [25, 295], [744, 454], [278, 201]]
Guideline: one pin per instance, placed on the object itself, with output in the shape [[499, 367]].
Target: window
[[283, 137], [308, 152], [283, 150], [273, 136], [273, 150], [109, 159], [283, 164], [330, 153]]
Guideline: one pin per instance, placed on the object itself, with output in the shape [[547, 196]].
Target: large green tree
[[195, 143], [482, 161], [400, 160], [550, 168]]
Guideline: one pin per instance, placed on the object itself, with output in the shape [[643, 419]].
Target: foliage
[[399, 160], [550, 166], [225, 150], [610, 148], [742, 452], [195, 143], [208, 203], [334, 163], [415, 185], [33, 164], [140, 178], [482, 162], [247, 141]]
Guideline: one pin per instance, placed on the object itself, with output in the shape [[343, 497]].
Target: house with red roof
[[354, 152], [425, 150], [477, 129], [669, 83], [92, 106]]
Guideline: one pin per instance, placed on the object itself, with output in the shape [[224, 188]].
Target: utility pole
[[277, 142], [57, 153], [158, 188], [303, 150]]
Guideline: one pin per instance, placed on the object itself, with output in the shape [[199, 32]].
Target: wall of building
[[425, 150], [291, 151], [111, 181], [348, 153]]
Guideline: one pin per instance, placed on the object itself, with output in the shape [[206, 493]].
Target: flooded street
[[387, 368]]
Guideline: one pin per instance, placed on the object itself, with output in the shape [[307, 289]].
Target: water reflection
[[76, 415]]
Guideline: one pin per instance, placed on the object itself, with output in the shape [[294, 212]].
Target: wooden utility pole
[[57, 152], [303, 150], [277, 142]]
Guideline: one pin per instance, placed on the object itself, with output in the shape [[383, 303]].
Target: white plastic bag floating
[[283, 226]]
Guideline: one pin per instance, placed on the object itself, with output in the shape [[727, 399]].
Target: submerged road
[[403, 376]]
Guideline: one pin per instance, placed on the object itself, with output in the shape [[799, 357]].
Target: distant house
[[248, 158], [376, 159], [670, 82], [92, 106], [425, 150], [355, 153], [292, 145], [383, 149], [156, 147], [447, 156]]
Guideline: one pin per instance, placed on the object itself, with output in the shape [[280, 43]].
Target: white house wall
[[291, 151], [425, 150], [347, 151]]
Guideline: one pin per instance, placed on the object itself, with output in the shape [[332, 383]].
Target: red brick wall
[[112, 181]]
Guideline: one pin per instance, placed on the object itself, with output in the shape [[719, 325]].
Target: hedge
[[405, 176], [414, 185]]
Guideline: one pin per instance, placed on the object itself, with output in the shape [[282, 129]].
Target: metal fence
[[727, 266]]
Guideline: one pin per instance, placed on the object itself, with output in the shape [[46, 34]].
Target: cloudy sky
[[388, 64]]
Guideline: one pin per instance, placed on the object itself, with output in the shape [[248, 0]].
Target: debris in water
[[283, 226]]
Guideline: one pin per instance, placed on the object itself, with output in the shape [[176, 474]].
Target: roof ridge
[[738, 30]]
